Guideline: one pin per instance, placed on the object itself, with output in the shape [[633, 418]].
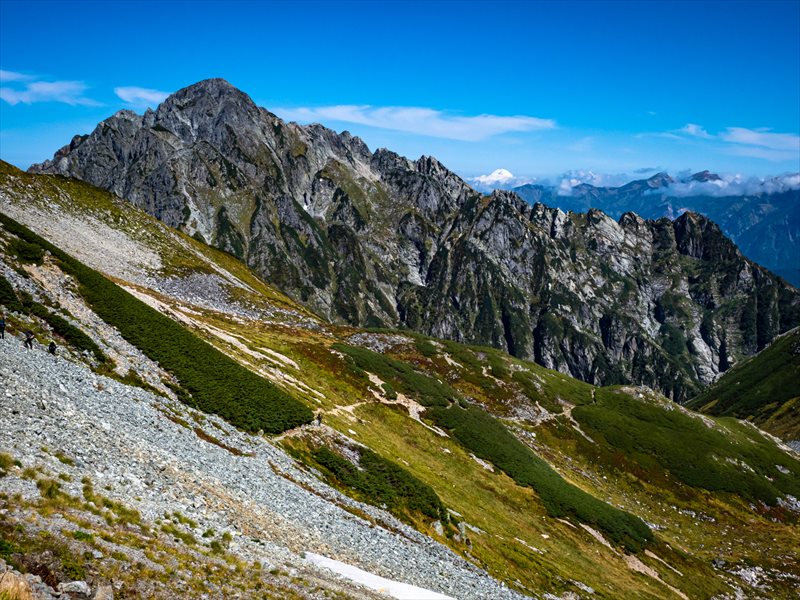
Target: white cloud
[[695, 130], [68, 92], [755, 143], [571, 179], [139, 96], [13, 76], [421, 121], [762, 137], [734, 185]]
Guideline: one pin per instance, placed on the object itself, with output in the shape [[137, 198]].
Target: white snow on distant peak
[[496, 176], [393, 589]]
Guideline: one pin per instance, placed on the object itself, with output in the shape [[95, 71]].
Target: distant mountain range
[[372, 238], [762, 218]]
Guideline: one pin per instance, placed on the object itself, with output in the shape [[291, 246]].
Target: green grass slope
[[764, 389], [489, 439], [210, 380], [546, 482]]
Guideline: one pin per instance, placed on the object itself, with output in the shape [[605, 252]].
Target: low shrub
[[214, 382], [497, 365], [382, 483], [49, 488], [25, 251], [485, 436], [6, 462], [8, 297], [425, 347], [704, 457], [402, 377]]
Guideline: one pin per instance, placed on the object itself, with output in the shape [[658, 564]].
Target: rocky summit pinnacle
[[376, 239]]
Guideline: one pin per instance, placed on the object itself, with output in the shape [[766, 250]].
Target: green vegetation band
[[488, 439], [217, 383]]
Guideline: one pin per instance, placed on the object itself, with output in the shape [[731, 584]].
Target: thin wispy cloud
[[762, 137], [760, 143], [139, 96], [418, 120], [27, 91], [763, 153], [695, 130], [13, 76]]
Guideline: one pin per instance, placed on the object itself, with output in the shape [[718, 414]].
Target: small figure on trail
[[319, 418], [52, 348], [2, 327], [29, 339]]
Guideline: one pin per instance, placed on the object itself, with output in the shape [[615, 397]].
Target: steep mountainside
[[376, 239], [765, 225], [548, 484], [764, 389], [589, 491]]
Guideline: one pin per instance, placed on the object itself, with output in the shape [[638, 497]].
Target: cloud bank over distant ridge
[[683, 186], [734, 185]]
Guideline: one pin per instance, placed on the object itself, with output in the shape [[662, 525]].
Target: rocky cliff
[[761, 217], [376, 239]]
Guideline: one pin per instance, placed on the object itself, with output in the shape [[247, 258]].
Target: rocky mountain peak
[[659, 180], [704, 176], [377, 239], [699, 237], [214, 88]]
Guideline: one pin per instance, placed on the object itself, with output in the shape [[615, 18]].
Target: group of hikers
[[29, 337]]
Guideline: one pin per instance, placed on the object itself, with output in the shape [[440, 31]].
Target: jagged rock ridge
[[376, 239]]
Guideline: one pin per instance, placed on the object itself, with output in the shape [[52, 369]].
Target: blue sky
[[537, 88]]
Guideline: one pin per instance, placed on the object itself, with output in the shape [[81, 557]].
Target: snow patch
[[394, 589]]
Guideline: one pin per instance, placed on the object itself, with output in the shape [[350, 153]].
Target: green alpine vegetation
[[764, 389], [382, 482], [535, 470], [214, 382], [484, 435], [61, 327], [723, 456]]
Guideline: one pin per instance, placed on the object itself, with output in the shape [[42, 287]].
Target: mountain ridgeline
[[763, 220], [378, 240]]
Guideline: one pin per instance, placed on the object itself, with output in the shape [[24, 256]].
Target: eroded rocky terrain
[[372, 238]]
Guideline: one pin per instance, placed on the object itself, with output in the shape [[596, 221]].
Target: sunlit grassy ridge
[[764, 388], [501, 522], [700, 455], [211, 380], [484, 435]]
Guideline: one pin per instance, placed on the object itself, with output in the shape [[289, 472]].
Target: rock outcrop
[[379, 240]]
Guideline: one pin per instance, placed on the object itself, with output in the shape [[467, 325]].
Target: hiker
[[28, 339], [52, 348], [2, 327], [319, 418]]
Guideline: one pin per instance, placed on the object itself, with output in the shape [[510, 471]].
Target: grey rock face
[[763, 222], [376, 239], [81, 588]]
